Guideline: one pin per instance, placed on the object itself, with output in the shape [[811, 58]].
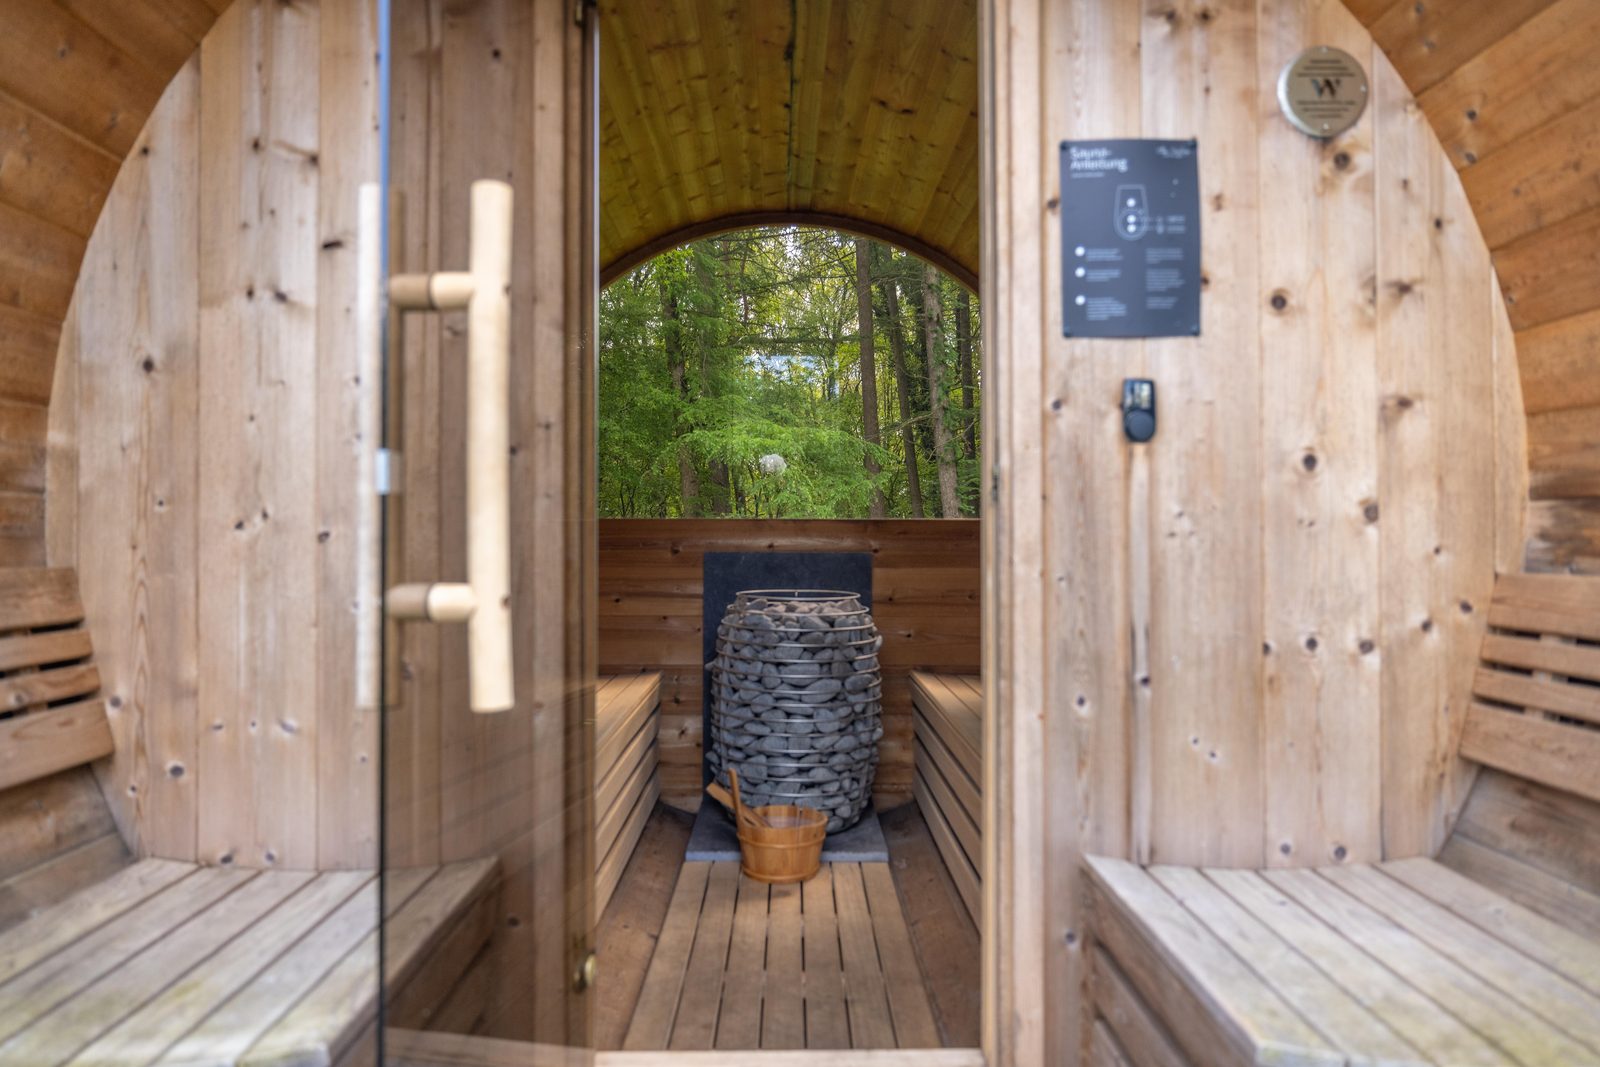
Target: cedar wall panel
[[1247, 643], [203, 449], [77, 82], [925, 577], [1513, 90]]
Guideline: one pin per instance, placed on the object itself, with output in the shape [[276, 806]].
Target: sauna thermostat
[[1323, 91], [1138, 409]]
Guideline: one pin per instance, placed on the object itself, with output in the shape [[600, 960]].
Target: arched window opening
[[789, 372]]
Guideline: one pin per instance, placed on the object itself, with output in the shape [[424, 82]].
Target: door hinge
[[386, 472]]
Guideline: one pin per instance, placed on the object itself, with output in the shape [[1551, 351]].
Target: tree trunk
[[869, 369], [688, 477], [902, 381], [943, 447], [719, 486], [969, 414]]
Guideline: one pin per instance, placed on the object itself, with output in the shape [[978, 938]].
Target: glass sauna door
[[488, 678]]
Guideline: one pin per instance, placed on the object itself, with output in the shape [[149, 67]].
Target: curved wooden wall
[[1249, 642], [204, 424], [1512, 87], [1509, 85], [78, 79]]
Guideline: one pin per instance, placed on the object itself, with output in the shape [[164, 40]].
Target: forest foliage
[[731, 382]]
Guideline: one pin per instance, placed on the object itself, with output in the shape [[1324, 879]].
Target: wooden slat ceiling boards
[[860, 115]]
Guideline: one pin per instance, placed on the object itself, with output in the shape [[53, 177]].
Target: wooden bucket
[[778, 843], [787, 849]]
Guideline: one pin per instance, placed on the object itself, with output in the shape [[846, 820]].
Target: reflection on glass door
[[487, 662]]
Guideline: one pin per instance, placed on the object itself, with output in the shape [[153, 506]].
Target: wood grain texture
[[719, 111], [169, 962], [79, 81], [925, 589], [206, 596], [1256, 635]]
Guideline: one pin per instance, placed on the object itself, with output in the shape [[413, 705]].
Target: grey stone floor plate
[[713, 838]]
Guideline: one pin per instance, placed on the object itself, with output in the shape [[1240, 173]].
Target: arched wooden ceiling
[[864, 111]]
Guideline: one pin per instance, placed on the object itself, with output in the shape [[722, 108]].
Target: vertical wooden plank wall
[[77, 84], [1513, 92], [490, 89], [1256, 632], [206, 377]]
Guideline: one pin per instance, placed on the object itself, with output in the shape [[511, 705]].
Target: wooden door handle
[[483, 602]]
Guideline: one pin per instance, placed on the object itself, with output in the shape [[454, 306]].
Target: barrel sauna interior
[[1321, 652]]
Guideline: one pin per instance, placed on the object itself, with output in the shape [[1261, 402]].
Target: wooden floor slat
[[696, 1024], [909, 1004], [743, 986], [783, 1012], [827, 1018], [828, 963], [651, 1027], [865, 995]]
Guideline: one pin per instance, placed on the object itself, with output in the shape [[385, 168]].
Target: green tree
[[738, 377]]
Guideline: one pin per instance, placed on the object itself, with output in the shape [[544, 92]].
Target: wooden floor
[[693, 956]]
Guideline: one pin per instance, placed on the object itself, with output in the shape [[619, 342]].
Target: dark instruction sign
[[1130, 228]]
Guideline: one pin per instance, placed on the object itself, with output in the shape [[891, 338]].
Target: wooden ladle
[[745, 814]]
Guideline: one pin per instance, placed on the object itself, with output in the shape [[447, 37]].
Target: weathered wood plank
[[909, 1006], [1215, 1005], [55, 978], [102, 1005], [1318, 999], [1521, 1033], [1137, 1028], [1407, 1010], [1525, 745], [178, 1008], [44, 742], [1531, 933], [657, 1008]]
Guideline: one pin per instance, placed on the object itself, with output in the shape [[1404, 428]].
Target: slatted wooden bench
[[627, 781], [948, 775], [1489, 954], [123, 962], [171, 963]]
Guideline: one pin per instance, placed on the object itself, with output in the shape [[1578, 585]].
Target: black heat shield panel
[[726, 574]]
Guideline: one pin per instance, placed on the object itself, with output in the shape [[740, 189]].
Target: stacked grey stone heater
[[797, 700]]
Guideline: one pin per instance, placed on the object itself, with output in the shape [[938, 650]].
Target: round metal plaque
[[1323, 91]]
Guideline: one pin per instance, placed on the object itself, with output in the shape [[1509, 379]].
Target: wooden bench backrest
[[1536, 712], [49, 719]]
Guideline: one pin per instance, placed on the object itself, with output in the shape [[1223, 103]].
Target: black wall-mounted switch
[[1139, 409]]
